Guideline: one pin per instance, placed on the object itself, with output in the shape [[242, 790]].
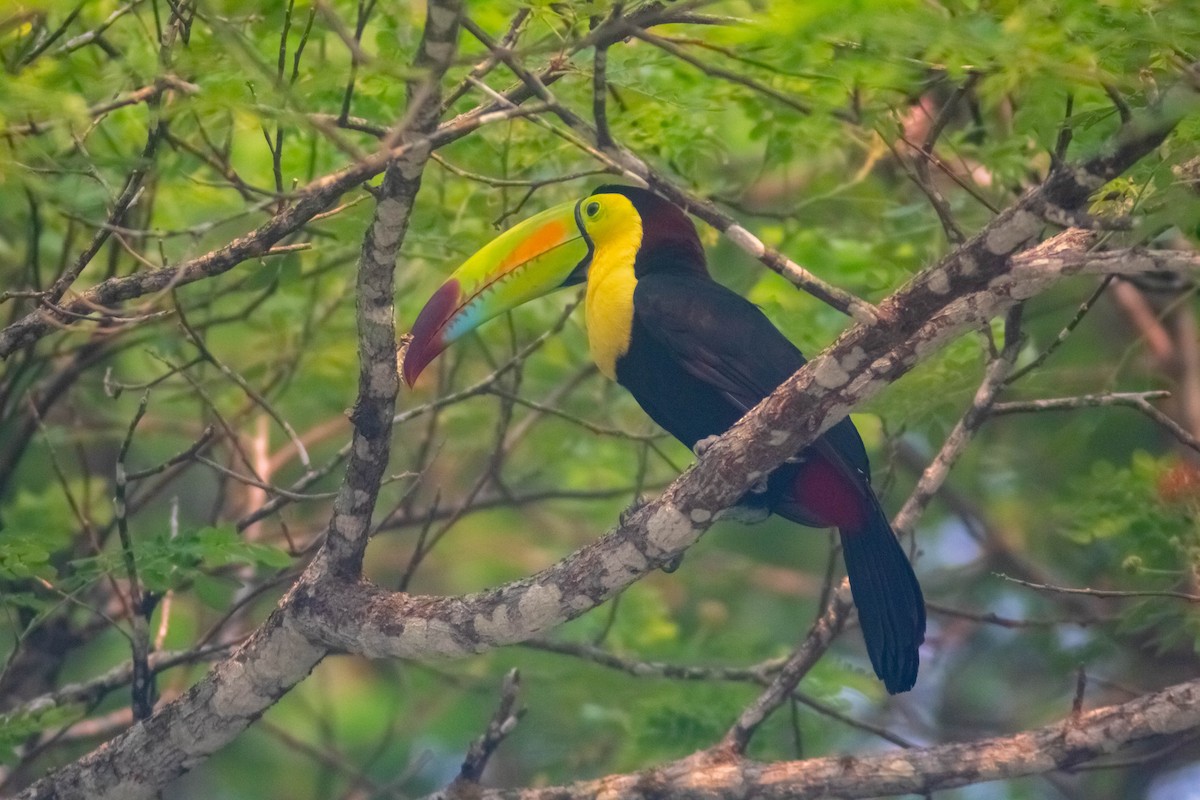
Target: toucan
[[696, 356]]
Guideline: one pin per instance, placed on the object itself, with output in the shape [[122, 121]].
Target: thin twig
[[188, 454], [260, 484], [963, 432], [503, 722], [823, 632], [742, 80], [760, 673], [1106, 594], [1067, 330], [142, 686], [488, 64], [1135, 400], [242, 384], [991, 618]]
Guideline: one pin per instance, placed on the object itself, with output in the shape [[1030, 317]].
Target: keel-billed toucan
[[696, 357]]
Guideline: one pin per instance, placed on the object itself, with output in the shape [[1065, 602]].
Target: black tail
[[891, 608]]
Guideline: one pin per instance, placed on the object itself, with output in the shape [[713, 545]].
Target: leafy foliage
[[811, 147]]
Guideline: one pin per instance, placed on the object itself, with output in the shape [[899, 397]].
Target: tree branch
[[1072, 741]]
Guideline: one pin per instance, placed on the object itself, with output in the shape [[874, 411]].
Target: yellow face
[[604, 218], [614, 228]]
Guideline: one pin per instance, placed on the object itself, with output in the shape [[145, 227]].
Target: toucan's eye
[[593, 208]]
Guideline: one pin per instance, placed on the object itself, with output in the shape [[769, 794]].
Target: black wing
[[734, 353], [725, 341]]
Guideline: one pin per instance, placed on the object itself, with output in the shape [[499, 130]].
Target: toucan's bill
[[545, 252]]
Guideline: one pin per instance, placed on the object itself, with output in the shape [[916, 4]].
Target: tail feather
[[891, 608]]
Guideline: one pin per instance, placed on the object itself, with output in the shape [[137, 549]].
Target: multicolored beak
[[543, 253]]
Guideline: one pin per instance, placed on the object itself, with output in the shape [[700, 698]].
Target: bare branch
[[1061, 745], [1062, 336], [760, 673], [144, 95], [277, 656], [502, 723], [140, 603], [1105, 594], [1136, 400], [960, 436], [823, 632], [92, 690]]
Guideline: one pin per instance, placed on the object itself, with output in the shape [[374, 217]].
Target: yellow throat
[[611, 282]]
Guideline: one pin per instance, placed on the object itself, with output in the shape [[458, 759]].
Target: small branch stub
[[502, 723]]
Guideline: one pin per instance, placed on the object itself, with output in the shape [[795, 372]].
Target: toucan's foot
[[745, 513], [633, 508], [673, 564], [701, 446], [759, 486]]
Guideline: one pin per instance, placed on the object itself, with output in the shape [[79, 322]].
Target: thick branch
[[1073, 741], [969, 286], [346, 538], [183, 733]]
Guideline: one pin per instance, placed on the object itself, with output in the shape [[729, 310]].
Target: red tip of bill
[[428, 330]]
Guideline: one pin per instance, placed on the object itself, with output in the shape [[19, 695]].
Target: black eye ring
[[593, 208]]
